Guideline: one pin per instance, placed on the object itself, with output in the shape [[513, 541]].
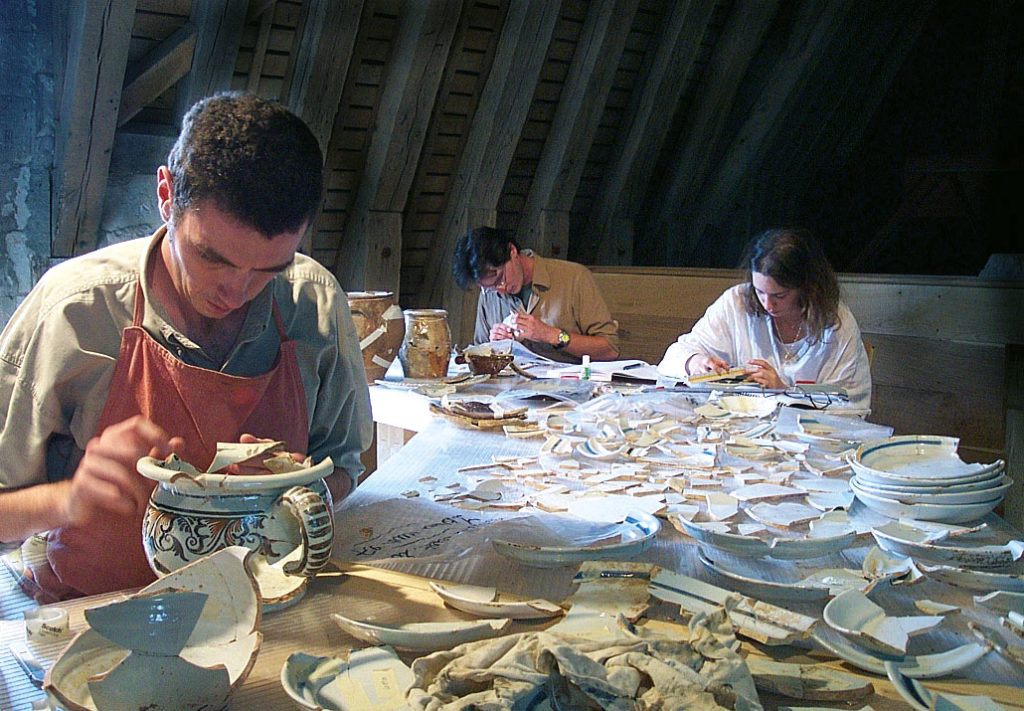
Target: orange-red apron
[[202, 406]]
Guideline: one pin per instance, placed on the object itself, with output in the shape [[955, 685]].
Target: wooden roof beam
[[815, 29], [369, 256], [650, 112], [219, 26], [99, 32], [583, 98], [491, 144], [155, 73]]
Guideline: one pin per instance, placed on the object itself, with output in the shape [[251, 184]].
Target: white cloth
[[634, 671], [728, 332]]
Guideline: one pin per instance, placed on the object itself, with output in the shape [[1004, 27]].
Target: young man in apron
[[211, 330]]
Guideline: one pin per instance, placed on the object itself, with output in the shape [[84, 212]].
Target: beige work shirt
[[565, 295], [58, 352]]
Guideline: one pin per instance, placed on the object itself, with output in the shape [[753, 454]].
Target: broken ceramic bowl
[[486, 602], [364, 678], [636, 533], [947, 513], [918, 460], [421, 636], [981, 580], [854, 615], [923, 699], [778, 548], [904, 539], [186, 641]]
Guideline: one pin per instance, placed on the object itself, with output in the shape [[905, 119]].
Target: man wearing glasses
[[551, 305]]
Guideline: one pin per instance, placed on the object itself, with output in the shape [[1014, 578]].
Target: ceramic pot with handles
[[284, 515], [380, 327]]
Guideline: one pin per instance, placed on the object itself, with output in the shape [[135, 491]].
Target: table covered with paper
[[636, 548]]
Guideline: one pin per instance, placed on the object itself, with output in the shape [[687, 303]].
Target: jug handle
[[316, 524]]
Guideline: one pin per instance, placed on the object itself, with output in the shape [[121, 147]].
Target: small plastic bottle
[[586, 367]]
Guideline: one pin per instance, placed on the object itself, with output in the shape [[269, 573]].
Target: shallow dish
[[916, 543], [917, 460], [975, 579], [327, 683], [767, 589], [946, 513], [638, 530], [484, 602], [999, 487], [779, 548], [854, 615], [421, 636]]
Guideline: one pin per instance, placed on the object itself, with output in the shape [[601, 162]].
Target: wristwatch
[[563, 339]]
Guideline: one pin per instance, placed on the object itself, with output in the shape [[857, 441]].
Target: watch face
[[563, 338]]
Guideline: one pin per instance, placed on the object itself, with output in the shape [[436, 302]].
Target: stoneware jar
[[427, 345], [380, 327], [286, 517]]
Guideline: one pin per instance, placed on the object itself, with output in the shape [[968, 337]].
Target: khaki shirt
[[564, 295], [58, 352]]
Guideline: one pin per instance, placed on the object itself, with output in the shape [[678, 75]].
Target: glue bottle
[[586, 367]]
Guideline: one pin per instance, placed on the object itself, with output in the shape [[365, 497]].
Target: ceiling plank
[[370, 252], [814, 30], [493, 135], [693, 160], [97, 55], [650, 117], [219, 25], [584, 95], [155, 73]]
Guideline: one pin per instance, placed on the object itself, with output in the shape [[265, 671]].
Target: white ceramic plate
[[779, 548], [326, 683], [912, 542], [975, 579], [940, 495], [421, 636], [484, 602], [854, 615], [637, 534], [917, 460], [947, 513], [767, 589]]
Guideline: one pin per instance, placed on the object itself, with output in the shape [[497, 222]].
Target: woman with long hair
[[785, 324]]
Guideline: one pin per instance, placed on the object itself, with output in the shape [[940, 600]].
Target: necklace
[[789, 354]]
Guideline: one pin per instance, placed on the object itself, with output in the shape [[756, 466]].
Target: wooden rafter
[[219, 26], [153, 74], [649, 119], [97, 55], [490, 146], [577, 117], [370, 252]]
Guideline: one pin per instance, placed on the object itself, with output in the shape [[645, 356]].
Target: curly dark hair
[[795, 260], [252, 157], [479, 250]]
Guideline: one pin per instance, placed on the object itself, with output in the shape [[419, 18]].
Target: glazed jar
[[380, 327], [427, 345], [192, 515]]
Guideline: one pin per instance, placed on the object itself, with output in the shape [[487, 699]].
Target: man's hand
[[502, 332], [528, 327], [106, 479]]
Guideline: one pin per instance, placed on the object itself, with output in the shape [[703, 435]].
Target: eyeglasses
[[494, 280]]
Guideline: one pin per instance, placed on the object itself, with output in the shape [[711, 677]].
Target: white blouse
[[728, 332]]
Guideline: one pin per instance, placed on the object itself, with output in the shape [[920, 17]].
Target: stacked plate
[[921, 477]]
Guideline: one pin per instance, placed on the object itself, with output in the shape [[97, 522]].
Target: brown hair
[[795, 260]]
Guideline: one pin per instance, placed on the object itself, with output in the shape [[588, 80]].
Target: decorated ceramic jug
[[380, 327], [191, 515], [427, 345]]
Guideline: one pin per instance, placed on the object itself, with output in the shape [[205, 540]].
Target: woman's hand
[[762, 372], [700, 363]]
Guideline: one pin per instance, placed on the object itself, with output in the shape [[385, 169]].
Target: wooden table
[[396, 590]]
